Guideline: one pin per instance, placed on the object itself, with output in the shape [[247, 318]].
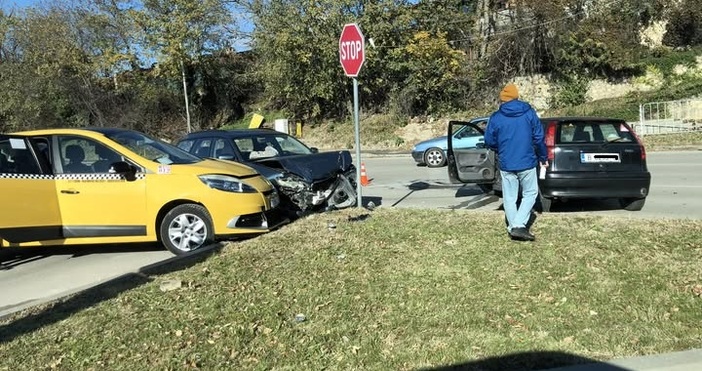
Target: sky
[[10, 4], [7, 5]]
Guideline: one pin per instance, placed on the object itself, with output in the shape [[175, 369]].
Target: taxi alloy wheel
[[186, 228]]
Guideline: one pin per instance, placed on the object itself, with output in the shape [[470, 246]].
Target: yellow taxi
[[106, 185]]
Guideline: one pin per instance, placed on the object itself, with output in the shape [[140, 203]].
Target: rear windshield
[[594, 132]]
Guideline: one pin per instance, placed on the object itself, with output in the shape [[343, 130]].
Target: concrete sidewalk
[[689, 360]]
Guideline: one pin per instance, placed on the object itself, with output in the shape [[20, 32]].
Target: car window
[[264, 147], [80, 155], [17, 158], [250, 148], [153, 149], [465, 131], [270, 145], [594, 132], [244, 144], [202, 148], [291, 146], [223, 150], [186, 145], [43, 150]]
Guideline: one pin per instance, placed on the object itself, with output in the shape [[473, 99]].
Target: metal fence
[[669, 117]]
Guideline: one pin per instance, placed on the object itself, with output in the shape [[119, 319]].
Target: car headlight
[[274, 199], [227, 183]]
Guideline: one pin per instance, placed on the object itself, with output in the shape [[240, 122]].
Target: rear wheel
[[434, 157], [186, 228], [632, 204]]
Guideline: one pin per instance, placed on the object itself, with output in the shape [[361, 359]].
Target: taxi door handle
[[69, 191]]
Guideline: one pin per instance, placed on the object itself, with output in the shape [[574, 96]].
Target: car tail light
[[641, 146], [551, 139]]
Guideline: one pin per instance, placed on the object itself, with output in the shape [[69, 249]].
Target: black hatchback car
[[589, 157], [307, 180]]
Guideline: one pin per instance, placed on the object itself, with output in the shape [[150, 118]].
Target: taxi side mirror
[[125, 169]]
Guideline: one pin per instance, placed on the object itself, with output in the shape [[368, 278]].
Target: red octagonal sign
[[351, 49]]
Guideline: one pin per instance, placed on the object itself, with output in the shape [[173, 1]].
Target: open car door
[[27, 193], [469, 162]]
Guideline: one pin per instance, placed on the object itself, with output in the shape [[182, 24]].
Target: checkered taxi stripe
[[87, 176], [25, 176]]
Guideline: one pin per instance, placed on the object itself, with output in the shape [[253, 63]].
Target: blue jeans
[[511, 180]]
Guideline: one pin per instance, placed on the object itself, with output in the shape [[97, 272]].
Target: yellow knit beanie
[[509, 93]]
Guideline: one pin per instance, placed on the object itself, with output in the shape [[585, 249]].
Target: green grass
[[691, 140], [390, 290]]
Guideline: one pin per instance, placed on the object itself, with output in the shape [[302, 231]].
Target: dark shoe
[[521, 234], [530, 222]]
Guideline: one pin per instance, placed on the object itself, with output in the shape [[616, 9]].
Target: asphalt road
[[30, 276], [676, 188]]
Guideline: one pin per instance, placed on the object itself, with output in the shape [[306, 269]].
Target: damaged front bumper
[[337, 192], [263, 221]]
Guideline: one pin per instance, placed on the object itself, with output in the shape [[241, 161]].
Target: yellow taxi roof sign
[[256, 121]]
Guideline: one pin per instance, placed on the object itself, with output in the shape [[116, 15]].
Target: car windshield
[[153, 149], [270, 145], [594, 132]]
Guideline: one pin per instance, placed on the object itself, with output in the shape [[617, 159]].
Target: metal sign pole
[[359, 201]]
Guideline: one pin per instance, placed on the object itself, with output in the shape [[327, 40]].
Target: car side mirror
[[314, 149], [226, 157], [125, 169]]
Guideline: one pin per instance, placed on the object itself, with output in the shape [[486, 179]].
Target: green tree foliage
[[182, 30], [128, 63], [179, 32], [433, 73], [411, 57], [431, 61], [296, 44], [685, 24], [41, 69]]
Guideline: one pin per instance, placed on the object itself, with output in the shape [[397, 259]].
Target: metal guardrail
[[669, 117]]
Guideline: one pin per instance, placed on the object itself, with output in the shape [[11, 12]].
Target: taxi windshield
[[153, 149]]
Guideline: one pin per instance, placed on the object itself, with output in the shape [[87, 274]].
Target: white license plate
[[599, 158]]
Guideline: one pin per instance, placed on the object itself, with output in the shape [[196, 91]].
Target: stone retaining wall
[[538, 89]]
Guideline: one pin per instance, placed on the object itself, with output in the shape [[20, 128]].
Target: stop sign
[[351, 49]]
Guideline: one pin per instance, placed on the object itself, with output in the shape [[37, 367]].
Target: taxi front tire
[[186, 228]]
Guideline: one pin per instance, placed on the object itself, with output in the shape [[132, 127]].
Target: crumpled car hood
[[313, 168]]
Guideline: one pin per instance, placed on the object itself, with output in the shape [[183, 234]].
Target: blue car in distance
[[432, 152]]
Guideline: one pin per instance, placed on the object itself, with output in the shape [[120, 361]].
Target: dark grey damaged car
[[307, 180]]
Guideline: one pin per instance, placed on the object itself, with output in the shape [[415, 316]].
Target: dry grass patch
[[664, 142], [394, 289]]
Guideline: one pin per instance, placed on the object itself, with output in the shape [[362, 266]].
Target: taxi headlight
[[274, 199], [227, 183]]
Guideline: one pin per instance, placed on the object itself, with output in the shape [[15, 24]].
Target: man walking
[[516, 134]]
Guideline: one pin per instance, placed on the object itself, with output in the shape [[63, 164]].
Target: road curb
[[145, 271], [676, 361]]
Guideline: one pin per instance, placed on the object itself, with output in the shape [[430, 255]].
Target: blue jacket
[[516, 134]]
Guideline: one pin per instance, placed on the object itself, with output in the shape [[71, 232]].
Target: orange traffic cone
[[364, 176]]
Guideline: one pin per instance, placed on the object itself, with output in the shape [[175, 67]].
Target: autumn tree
[[43, 71], [178, 33]]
